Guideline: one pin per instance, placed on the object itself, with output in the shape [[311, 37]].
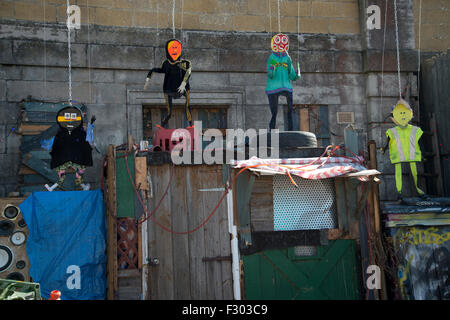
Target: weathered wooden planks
[[111, 221], [211, 231], [196, 239], [162, 280], [188, 267], [180, 214], [261, 204]]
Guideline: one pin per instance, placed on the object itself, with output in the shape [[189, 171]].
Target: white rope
[[69, 55], [382, 55], [270, 16], [173, 18], [89, 52], [298, 31], [398, 50], [418, 61], [45, 56], [157, 23], [279, 23], [182, 9]]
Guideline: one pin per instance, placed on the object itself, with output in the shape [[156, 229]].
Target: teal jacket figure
[[280, 73]]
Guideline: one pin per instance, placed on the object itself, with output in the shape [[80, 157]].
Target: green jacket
[[280, 73]]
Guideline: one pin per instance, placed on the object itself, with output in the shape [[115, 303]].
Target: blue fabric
[[47, 143], [66, 229], [90, 133]]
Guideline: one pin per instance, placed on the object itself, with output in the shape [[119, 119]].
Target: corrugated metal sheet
[[435, 99]]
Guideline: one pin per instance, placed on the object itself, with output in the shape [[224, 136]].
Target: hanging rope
[[182, 9], [279, 23], [173, 18], [89, 52], [398, 50], [382, 55], [45, 57], [298, 35], [270, 16], [418, 61], [69, 55]]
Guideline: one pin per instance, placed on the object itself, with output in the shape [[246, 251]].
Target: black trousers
[[273, 103], [169, 105]]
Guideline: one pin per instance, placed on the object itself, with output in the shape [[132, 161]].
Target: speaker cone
[[21, 264], [11, 212], [16, 276], [6, 258], [22, 223], [6, 228], [18, 238]]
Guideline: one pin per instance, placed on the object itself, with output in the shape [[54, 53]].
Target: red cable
[[220, 200], [164, 195]]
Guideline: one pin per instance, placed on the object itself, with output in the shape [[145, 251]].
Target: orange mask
[[174, 49]]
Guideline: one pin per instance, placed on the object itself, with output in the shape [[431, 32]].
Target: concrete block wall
[[434, 16], [325, 16], [341, 68], [109, 61]]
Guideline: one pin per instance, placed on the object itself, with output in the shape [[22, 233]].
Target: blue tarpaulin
[[66, 243]]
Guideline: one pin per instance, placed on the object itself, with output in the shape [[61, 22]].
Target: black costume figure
[[71, 147], [177, 72]]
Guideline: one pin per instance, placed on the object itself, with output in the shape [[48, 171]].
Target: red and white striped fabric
[[307, 168]]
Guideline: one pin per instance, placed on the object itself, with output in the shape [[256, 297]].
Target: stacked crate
[[39, 123]]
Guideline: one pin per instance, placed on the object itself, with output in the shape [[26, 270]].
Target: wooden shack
[[208, 232]]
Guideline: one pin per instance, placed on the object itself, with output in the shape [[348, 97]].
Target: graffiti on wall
[[424, 260]]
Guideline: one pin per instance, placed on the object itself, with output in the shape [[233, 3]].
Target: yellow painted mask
[[402, 113]]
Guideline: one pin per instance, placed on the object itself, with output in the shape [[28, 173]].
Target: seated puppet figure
[[176, 78], [71, 147], [403, 143], [280, 73]]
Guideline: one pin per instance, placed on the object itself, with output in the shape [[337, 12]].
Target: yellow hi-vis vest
[[404, 144]]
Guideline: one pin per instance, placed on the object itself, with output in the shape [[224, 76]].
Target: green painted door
[[330, 273]]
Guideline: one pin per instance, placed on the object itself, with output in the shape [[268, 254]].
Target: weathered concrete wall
[[433, 16], [109, 62], [342, 71], [382, 87], [327, 16]]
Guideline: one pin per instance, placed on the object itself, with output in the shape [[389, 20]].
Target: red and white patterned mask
[[280, 43]]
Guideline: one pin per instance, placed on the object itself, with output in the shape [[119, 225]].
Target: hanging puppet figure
[[177, 72], [72, 146], [403, 141], [280, 73]]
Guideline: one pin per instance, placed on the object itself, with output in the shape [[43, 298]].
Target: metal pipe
[[232, 229]]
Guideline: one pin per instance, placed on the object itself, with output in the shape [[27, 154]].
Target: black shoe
[[424, 196], [400, 199]]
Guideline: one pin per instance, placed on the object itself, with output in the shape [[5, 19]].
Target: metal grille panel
[[311, 206], [305, 251]]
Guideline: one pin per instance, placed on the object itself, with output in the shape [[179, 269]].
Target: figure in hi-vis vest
[[403, 143]]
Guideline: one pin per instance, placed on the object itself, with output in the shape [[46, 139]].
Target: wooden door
[[330, 273], [196, 265]]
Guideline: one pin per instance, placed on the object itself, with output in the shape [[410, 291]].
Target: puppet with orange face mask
[[176, 78], [280, 73]]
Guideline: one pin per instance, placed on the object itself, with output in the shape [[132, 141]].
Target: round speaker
[[6, 258], [18, 238], [11, 212], [16, 276], [6, 228], [21, 264], [22, 223]]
